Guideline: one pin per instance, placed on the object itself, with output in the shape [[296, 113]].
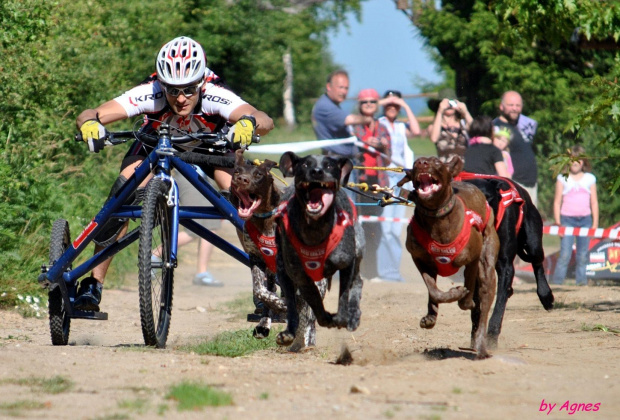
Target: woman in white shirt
[[390, 250], [575, 205]]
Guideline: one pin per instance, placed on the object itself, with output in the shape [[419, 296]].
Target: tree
[[500, 45]]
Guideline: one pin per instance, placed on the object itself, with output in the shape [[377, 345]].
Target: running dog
[[257, 197], [520, 230], [318, 234], [452, 227]]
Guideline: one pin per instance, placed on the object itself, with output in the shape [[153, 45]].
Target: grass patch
[[240, 306], [195, 396], [14, 409], [233, 344], [115, 416], [263, 396], [599, 327], [457, 390], [573, 305], [54, 385], [139, 405]]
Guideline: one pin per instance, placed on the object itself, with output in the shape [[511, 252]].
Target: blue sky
[[383, 51]]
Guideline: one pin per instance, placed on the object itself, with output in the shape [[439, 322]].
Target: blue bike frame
[[160, 162]]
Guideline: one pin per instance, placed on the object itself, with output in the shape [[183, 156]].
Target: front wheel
[[60, 322], [154, 265]]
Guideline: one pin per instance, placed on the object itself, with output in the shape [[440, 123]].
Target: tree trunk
[[289, 109]]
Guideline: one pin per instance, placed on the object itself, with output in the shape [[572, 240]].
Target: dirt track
[[400, 370]]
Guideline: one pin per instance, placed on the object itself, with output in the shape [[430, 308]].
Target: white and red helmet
[[181, 61]]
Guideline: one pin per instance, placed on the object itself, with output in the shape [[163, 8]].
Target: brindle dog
[[318, 234], [257, 197], [453, 227]]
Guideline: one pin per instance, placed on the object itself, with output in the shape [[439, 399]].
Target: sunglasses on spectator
[[367, 102], [187, 91]]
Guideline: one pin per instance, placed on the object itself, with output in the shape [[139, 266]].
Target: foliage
[[233, 344], [194, 396], [570, 89], [61, 57]]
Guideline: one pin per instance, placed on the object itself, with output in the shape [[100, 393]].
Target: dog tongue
[[247, 206], [320, 200], [426, 183]]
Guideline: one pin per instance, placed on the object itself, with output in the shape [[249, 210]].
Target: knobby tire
[[155, 279], [60, 322]]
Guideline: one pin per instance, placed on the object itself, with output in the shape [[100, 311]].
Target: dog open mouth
[[427, 185], [318, 197], [248, 203]]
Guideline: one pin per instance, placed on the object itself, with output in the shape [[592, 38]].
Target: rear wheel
[[60, 322], [155, 271]]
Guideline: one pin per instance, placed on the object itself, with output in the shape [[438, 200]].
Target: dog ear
[[346, 166], [408, 178], [288, 161], [455, 166], [239, 157], [268, 164]]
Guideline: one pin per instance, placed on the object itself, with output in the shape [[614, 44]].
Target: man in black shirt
[[521, 151]]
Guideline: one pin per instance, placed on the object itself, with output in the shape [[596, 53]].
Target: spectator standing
[[330, 121], [375, 135], [521, 151], [482, 157], [390, 248], [449, 128], [575, 205], [501, 140]]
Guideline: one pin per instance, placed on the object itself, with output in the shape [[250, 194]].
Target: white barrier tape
[[363, 219], [298, 146], [550, 230], [591, 233]]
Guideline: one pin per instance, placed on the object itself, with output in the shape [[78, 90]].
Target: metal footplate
[[100, 316]]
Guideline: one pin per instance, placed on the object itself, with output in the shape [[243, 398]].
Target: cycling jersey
[[212, 111]]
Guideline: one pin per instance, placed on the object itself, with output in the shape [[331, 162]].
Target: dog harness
[[444, 254], [313, 257], [509, 196], [266, 244]]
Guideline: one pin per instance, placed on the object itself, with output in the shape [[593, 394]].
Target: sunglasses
[[187, 91], [367, 102]]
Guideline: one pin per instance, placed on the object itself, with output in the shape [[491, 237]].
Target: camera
[[452, 103]]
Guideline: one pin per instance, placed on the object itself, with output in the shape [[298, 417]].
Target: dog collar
[[265, 215], [440, 212]]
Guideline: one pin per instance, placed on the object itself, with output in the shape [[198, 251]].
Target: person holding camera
[[449, 129]]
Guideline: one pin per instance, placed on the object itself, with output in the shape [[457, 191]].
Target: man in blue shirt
[[330, 121]]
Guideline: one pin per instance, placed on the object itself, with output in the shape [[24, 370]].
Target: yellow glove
[[244, 131], [94, 134]]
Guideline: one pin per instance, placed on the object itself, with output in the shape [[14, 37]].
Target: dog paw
[[428, 321], [466, 304], [260, 333], [354, 321], [285, 338]]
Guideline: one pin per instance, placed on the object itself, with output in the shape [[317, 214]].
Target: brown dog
[[453, 227]]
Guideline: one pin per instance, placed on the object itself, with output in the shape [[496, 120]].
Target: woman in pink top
[[575, 205]]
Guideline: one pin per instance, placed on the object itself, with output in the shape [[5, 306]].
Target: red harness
[[313, 257], [509, 196], [444, 254], [265, 244]]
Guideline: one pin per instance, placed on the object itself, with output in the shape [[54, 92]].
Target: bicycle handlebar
[[218, 141]]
